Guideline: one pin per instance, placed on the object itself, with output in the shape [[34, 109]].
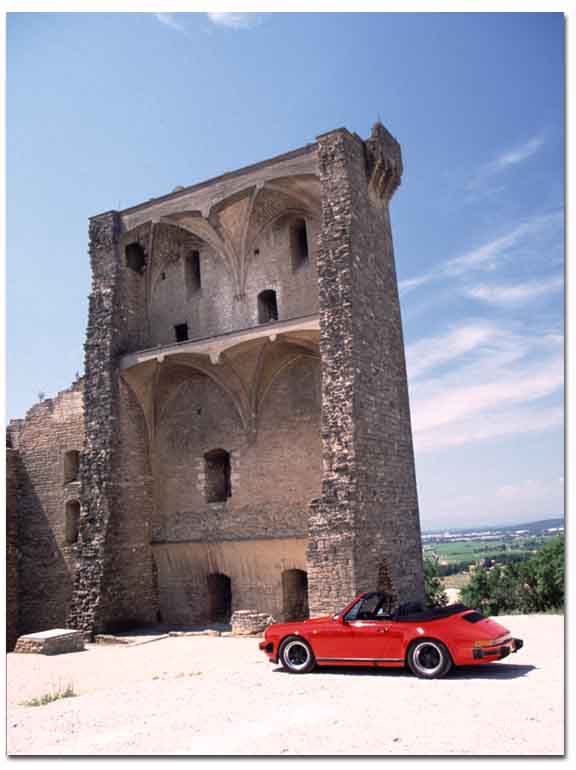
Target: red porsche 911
[[369, 633]]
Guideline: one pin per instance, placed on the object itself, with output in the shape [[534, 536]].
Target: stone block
[[246, 622], [53, 642]]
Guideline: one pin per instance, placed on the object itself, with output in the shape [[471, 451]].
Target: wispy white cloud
[[518, 154], [490, 255], [169, 20], [431, 352], [235, 20], [516, 294], [530, 489], [493, 426], [505, 160], [495, 386]]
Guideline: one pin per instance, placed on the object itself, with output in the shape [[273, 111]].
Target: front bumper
[[269, 648], [499, 651]]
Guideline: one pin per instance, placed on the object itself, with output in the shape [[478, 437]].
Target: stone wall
[[12, 626], [366, 522], [217, 307], [50, 430], [297, 425], [275, 471], [115, 579], [253, 566]]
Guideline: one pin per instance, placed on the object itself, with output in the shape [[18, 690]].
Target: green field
[[473, 550]]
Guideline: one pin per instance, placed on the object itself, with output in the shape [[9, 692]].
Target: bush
[[56, 693], [542, 578], [535, 584], [433, 587]]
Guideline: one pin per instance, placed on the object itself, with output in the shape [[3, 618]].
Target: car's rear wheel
[[296, 655], [429, 659]]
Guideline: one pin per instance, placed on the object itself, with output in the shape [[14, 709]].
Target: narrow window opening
[[71, 466], [267, 306], [217, 472], [181, 332], [72, 524], [135, 257], [299, 243], [192, 272]]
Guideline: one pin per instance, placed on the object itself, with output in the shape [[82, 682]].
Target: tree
[[433, 587], [533, 585], [542, 578], [492, 590]]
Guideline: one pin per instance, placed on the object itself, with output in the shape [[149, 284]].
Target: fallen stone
[[55, 641], [250, 622]]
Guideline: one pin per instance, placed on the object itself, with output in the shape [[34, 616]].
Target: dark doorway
[[267, 306], [295, 594], [219, 598], [217, 472]]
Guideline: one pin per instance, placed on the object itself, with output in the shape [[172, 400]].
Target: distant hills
[[532, 527]]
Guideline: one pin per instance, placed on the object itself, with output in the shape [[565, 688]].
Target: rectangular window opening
[[193, 277], [299, 243], [181, 332], [135, 257], [267, 306]]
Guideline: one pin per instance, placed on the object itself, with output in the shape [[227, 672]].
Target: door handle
[[383, 630]]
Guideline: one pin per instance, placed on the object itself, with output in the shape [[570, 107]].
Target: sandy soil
[[220, 696]]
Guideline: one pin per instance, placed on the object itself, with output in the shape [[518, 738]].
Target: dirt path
[[204, 695]]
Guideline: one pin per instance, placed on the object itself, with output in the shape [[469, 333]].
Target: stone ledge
[[55, 641]]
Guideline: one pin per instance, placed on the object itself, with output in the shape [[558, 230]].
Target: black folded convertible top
[[405, 613]]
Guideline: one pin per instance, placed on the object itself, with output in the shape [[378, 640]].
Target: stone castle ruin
[[241, 437]]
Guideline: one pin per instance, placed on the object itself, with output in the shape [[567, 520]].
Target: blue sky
[[106, 110]]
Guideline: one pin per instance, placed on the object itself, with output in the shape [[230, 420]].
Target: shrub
[[535, 584], [56, 693], [433, 587]]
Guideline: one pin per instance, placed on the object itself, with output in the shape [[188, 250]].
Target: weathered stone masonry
[[246, 442], [366, 523]]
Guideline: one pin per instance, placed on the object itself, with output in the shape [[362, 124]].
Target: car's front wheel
[[429, 659], [296, 655]]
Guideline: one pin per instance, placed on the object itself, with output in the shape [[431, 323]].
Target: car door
[[377, 640]]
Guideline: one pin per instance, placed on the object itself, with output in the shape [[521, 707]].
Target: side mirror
[[338, 618]]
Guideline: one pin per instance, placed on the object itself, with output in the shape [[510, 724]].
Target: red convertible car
[[369, 633]]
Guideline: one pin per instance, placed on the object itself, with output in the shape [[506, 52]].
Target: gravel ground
[[220, 696]]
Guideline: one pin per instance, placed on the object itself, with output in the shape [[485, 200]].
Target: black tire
[[429, 659], [296, 655]]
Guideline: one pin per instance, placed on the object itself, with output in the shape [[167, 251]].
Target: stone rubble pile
[[250, 622]]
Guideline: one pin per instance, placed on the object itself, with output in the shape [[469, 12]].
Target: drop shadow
[[501, 671]]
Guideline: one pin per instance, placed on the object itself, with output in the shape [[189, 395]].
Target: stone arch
[[184, 243], [197, 418], [297, 357], [238, 396]]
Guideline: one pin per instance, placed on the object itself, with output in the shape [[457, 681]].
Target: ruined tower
[[247, 439]]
